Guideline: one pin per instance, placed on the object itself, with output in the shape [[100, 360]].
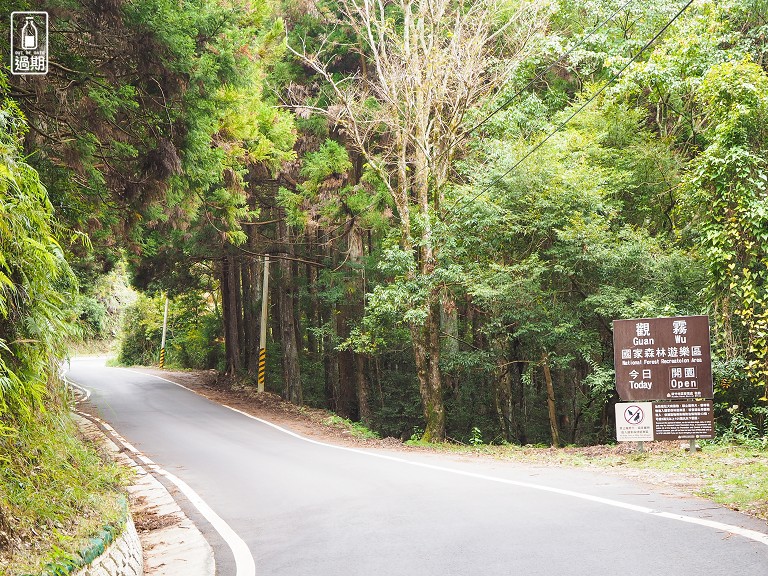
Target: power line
[[535, 79], [541, 74], [602, 89]]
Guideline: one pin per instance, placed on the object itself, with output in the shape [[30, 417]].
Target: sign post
[[263, 330], [663, 358], [667, 360], [165, 329]]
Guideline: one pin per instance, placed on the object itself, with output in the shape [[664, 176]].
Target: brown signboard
[[683, 420], [663, 358]]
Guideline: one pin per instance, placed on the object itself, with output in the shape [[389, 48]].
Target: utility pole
[[263, 333], [165, 328]]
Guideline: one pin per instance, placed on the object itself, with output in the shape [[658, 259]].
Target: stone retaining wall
[[117, 556]]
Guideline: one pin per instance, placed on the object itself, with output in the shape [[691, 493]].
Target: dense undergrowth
[[55, 492]]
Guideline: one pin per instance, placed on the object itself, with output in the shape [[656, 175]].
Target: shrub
[[142, 331], [193, 338]]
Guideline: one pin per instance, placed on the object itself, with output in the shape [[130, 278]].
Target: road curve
[[304, 508]]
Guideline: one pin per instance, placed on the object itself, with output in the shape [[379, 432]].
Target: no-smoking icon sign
[[633, 414]]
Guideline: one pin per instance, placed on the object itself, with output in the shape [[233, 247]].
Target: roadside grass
[[732, 475], [55, 493], [355, 429]]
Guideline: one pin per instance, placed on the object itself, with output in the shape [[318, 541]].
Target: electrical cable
[[541, 74], [602, 89]]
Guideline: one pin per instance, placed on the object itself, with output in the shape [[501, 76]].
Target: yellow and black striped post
[[263, 331], [165, 328], [262, 367]]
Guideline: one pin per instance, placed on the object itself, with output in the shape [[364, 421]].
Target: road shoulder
[[172, 543]]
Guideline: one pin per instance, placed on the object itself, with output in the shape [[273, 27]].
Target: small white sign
[[29, 43], [634, 421]]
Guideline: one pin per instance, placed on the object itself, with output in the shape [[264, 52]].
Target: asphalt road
[[304, 508]]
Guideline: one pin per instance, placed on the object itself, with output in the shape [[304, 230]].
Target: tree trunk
[[229, 305], [313, 314], [503, 397], [237, 293], [363, 391], [356, 245], [426, 348], [346, 401], [286, 301], [249, 315], [449, 320], [330, 355], [330, 369], [551, 402], [224, 288], [516, 371], [347, 397]]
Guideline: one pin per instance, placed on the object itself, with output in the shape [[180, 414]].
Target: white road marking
[[84, 391], [244, 563], [745, 532], [729, 528]]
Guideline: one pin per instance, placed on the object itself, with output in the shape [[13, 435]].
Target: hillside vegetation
[[54, 491]]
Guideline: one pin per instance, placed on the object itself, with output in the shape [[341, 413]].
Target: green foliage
[[241, 137], [54, 491], [36, 283], [731, 177], [566, 243], [142, 332], [743, 431], [331, 158], [193, 338], [326, 195], [356, 429], [476, 437], [48, 479], [396, 402], [415, 438], [92, 316]]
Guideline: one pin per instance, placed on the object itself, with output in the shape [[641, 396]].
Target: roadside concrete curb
[[173, 545]]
